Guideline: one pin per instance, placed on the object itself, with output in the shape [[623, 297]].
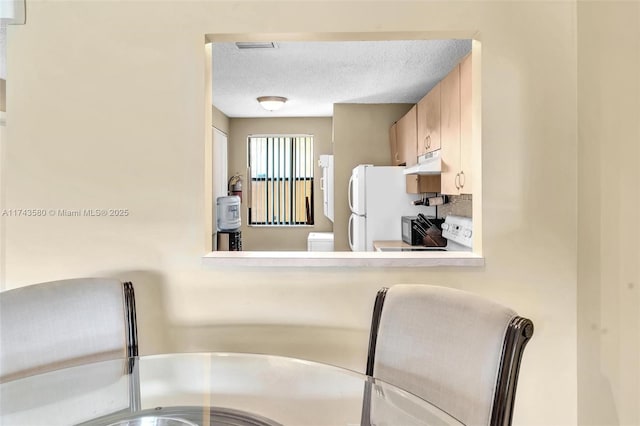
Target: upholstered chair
[[47, 327], [457, 350]]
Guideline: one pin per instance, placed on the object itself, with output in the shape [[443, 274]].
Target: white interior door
[[220, 169], [326, 184], [220, 164]]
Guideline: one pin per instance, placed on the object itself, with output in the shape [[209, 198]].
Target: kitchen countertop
[[390, 243], [377, 245], [398, 245]]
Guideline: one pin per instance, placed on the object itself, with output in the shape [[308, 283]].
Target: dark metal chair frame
[[130, 319], [132, 345], [518, 333]]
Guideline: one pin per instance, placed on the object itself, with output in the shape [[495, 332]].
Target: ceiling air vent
[[256, 45]]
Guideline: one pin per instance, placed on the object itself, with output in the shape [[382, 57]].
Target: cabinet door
[[466, 145], [450, 132], [419, 184], [407, 135], [429, 121], [393, 145]]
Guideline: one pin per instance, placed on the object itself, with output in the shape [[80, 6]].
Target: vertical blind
[[281, 173]]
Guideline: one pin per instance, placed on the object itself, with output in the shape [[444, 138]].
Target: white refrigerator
[[378, 200]]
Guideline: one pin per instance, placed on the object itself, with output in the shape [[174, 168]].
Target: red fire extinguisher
[[234, 186]]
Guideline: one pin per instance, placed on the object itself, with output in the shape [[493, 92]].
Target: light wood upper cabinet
[[466, 145], [406, 137], [393, 145], [419, 184], [455, 129], [450, 132], [429, 121], [442, 119]]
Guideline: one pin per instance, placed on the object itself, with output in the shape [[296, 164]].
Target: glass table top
[[211, 389]]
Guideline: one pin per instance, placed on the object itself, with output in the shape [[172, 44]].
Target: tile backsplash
[[459, 205]]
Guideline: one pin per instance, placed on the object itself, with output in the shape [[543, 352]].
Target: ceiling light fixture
[[271, 103]]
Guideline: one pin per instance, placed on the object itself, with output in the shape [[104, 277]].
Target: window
[[281, 174]]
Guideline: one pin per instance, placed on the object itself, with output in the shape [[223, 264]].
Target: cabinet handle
[[457, 180], [428, 138], [463, 179]]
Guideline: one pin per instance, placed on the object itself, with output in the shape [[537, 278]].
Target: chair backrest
[[452, 348], [60, 324]]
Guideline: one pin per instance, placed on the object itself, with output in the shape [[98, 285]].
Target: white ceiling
[[315, 75]]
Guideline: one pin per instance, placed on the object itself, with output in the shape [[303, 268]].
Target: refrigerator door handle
[[350, 233], [349, 192]]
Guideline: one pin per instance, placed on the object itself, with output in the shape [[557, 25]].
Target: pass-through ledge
[[341, 259]]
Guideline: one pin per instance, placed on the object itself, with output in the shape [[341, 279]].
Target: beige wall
[[280, 238], [219, 120], [609, 209], [360, 136], [130, 135]]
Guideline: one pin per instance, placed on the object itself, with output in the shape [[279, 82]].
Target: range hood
[[428, 164]]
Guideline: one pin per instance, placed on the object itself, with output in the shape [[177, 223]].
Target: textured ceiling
[[315, 75]]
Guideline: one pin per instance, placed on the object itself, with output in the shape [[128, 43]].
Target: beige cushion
[[62, 323], [443, 345]]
